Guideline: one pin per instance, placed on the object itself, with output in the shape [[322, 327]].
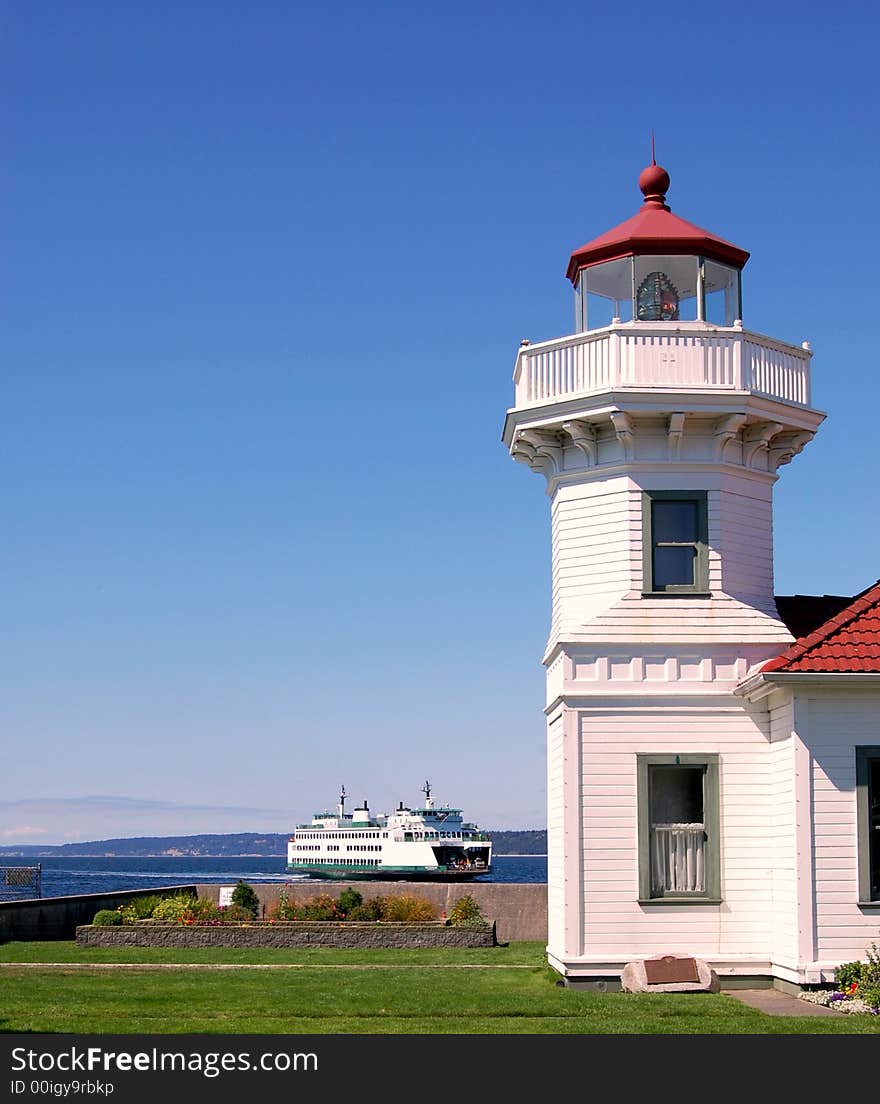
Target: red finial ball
[[654, 183]]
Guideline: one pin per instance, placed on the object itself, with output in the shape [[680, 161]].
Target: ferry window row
[[364, 847], [347, 835], [410, 836], [337, 863]]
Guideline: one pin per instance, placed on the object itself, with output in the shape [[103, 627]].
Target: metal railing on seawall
[[20, 882]]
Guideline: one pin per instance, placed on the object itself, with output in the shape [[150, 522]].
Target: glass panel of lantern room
[[606, 291], [666, 289], [721, 304], [580, 304]]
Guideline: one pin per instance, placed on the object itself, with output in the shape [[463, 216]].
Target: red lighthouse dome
[[657, 267]]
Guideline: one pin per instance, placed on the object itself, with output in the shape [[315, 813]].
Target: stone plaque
[[670, 970]]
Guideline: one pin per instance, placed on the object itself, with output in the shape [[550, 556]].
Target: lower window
[[868, 811], [679, 853]]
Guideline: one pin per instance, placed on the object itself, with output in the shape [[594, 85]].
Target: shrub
[[348, 900], [408, 908], [871, 970], [369, 910], [282, 909], [232, 914], [202, 909], [320, 907], [174, 909], [107, 918], [847, 974], [466, 913], [870, 994], [244, 895], [860, 981], [139, 908]]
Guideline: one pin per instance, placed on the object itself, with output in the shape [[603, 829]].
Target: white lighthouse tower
[[660, 425]]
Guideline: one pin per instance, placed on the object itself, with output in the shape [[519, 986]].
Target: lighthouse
[[676, 820]]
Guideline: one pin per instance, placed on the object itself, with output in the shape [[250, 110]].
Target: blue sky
[[263, 275]]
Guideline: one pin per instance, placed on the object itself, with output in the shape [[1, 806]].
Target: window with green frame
[[678, 822], [675, 542], [868, 814]]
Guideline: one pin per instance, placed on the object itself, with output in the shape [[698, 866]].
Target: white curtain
[[677, 865]]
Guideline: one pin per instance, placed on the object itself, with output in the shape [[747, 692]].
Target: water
[[70, 877]]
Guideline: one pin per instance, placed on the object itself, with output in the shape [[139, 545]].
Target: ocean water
[[68, 877]]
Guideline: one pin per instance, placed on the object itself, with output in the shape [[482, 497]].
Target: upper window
[[675, 542], [679, 853], [868, 811]]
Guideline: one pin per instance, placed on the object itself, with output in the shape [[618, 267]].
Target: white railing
[[687, 356]]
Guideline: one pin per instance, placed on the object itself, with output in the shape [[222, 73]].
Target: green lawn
[[519, 954], [510, 990]]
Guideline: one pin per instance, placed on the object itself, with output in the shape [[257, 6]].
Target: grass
[[514, 954], [520, 996]]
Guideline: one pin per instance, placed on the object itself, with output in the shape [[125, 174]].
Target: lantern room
[[656, 267]]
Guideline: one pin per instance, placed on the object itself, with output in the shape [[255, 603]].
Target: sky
[[264, 271]]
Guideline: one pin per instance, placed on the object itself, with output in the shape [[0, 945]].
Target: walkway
[[776, 1003]]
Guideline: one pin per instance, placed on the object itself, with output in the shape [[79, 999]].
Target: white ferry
[[430, 843]]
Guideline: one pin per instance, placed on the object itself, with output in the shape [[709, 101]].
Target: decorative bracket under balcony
[[613, 437]]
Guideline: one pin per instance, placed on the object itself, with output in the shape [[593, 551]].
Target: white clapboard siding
[[745, 542], [597, 567], [591, 549], [555, 837], [783, 832], [837, 723], [615, 924]]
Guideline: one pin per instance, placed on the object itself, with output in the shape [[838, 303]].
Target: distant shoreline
[[230, 845]]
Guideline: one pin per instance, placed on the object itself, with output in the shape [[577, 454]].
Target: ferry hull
[[393, 875]]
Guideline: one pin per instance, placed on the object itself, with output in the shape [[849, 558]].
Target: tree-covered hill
[[527, 842]]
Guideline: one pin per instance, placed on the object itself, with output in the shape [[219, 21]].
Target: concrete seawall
[[519, 910], [59, 917]]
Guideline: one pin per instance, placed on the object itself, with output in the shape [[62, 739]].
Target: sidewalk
[[776, 1003]]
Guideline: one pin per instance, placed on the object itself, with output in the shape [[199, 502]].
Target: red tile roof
[[847, 642]]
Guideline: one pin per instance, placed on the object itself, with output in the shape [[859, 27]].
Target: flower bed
[[184, 920], [286, 933], [839, 1001], [857, 987]]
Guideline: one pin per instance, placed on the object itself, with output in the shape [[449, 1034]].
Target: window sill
[[676, 594], [868, 904], [683, 901]]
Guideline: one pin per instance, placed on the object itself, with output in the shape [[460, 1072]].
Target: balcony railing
[[684, 356]]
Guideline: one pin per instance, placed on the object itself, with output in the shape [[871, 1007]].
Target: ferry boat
[[431, 843]]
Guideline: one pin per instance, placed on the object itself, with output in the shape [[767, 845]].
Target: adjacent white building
[[698, 803]]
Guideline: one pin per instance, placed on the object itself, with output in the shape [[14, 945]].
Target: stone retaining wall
[[299, 933]]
